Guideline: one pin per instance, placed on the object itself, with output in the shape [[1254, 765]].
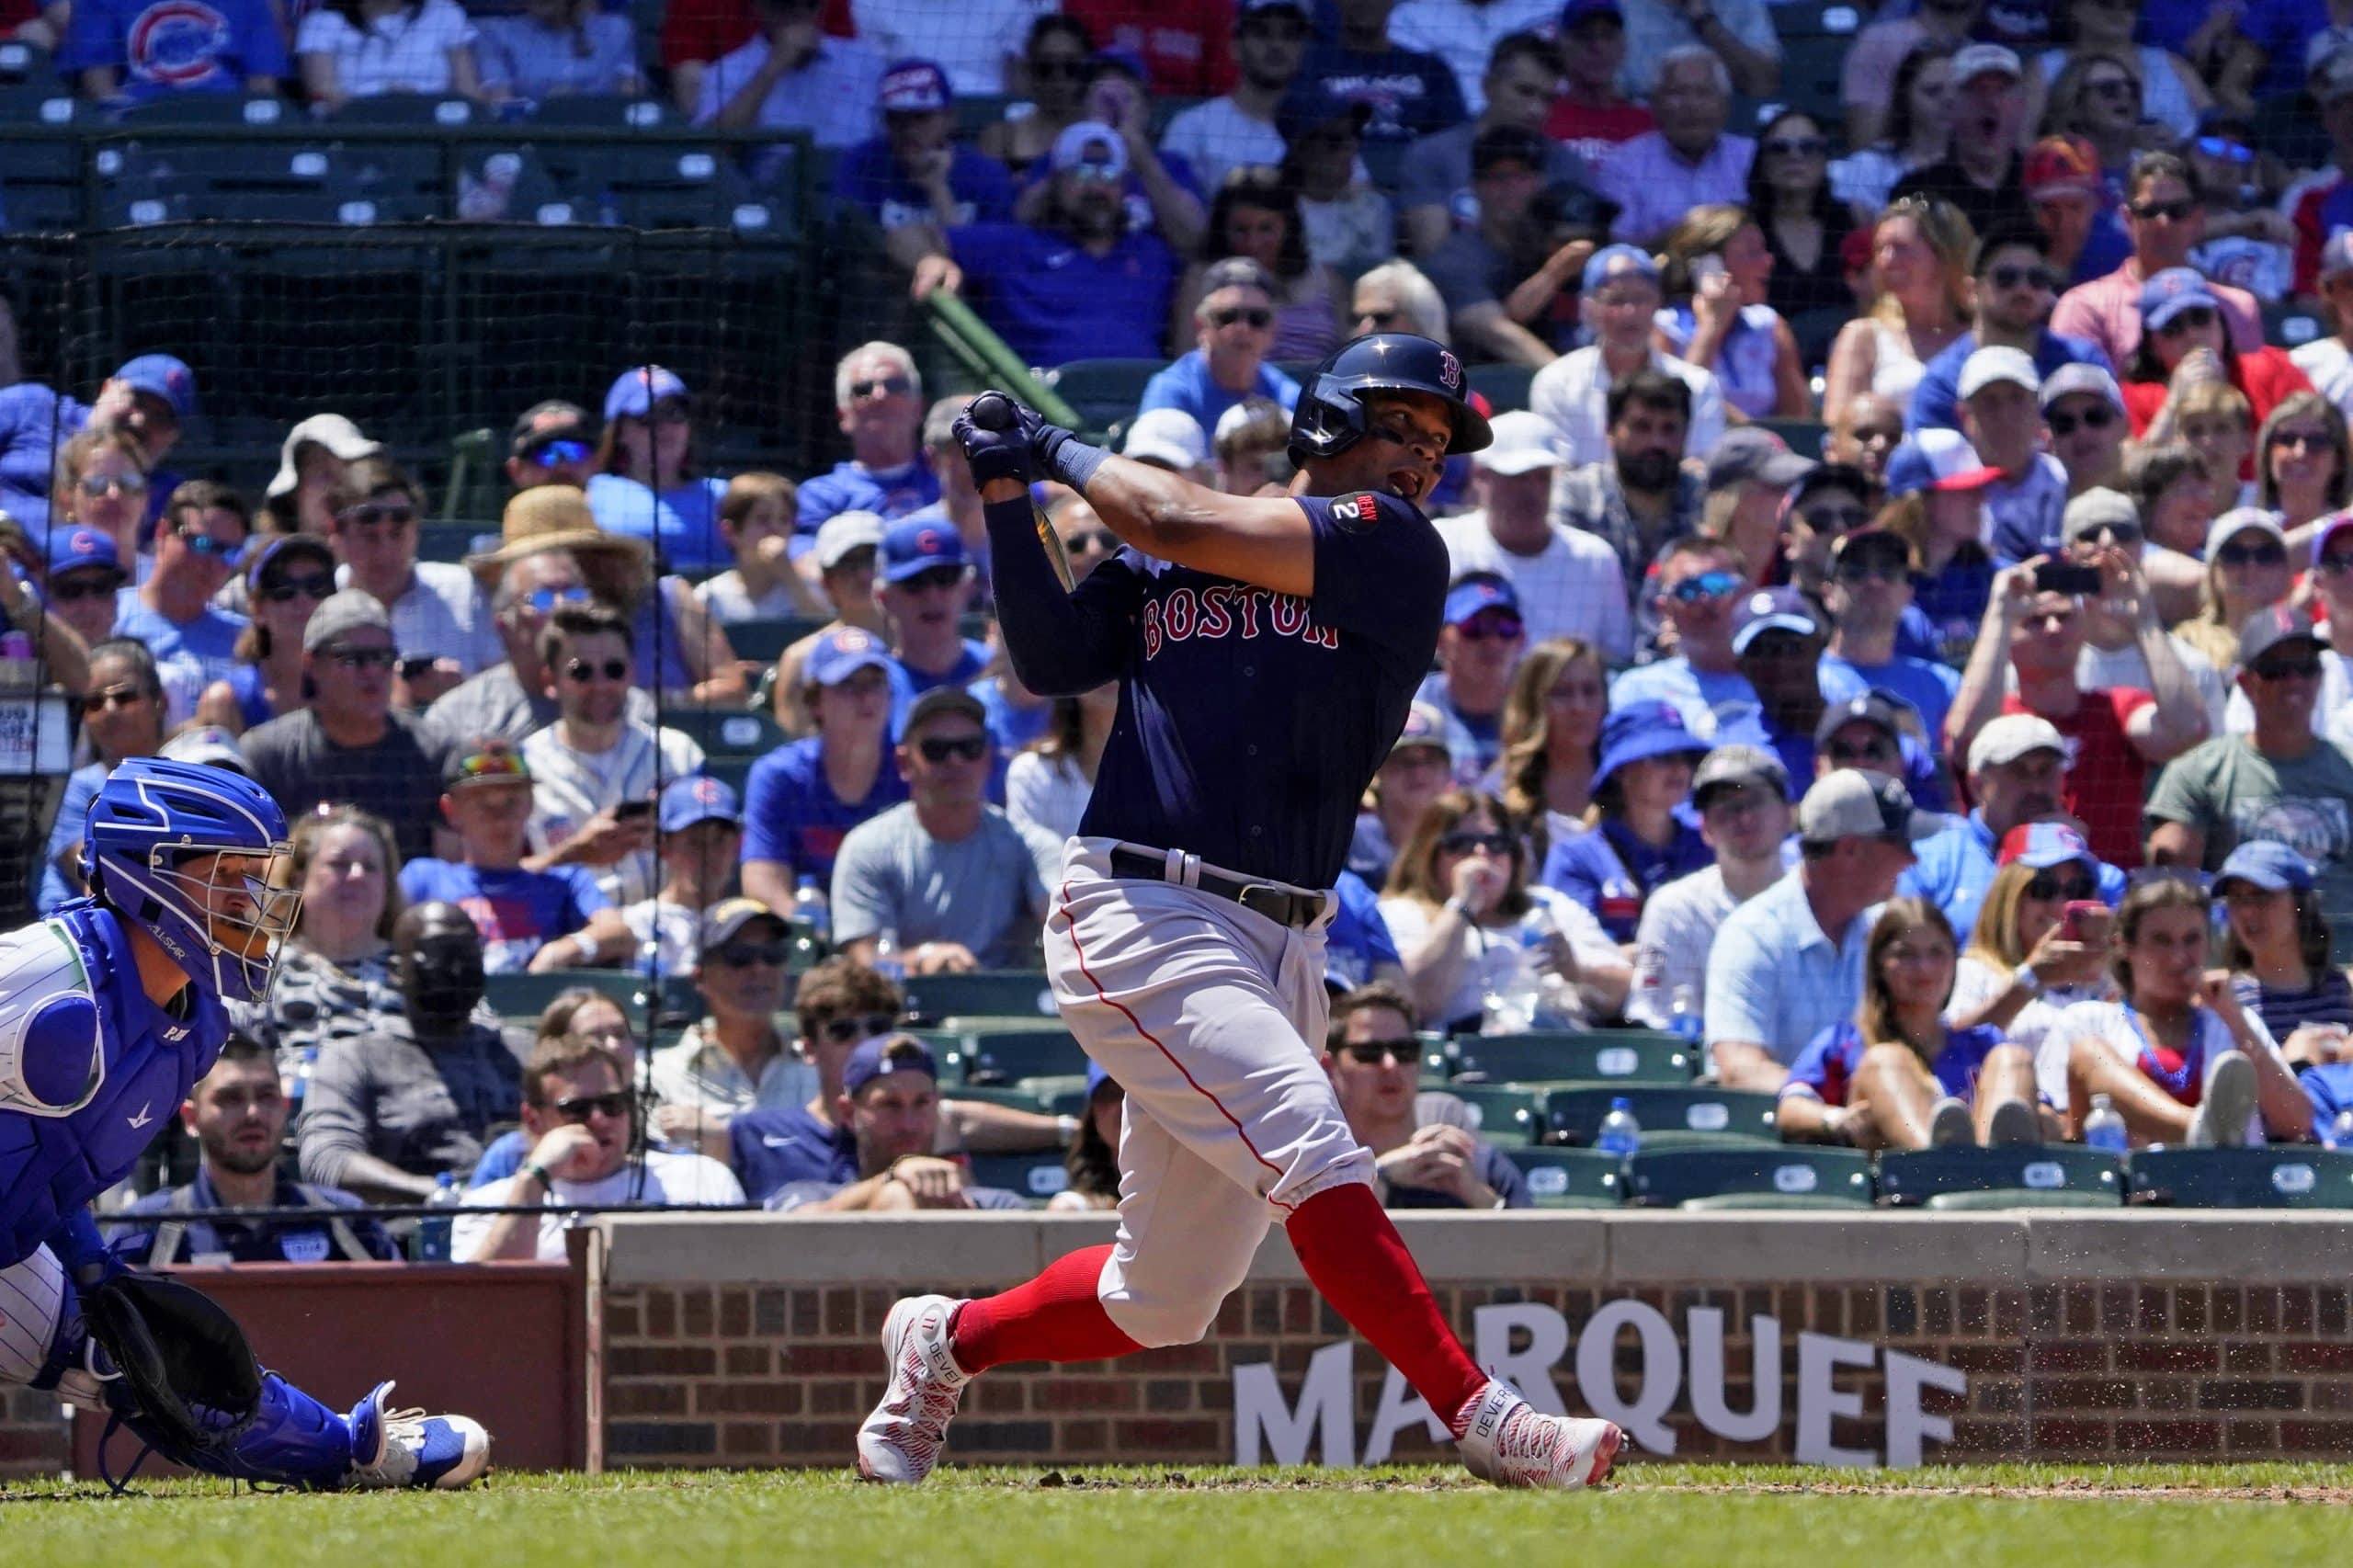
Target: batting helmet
[[1330, 417]]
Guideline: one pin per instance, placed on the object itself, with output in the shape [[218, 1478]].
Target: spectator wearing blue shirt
[[150, 396], [237, 1115], [1697, 593], [123, 717], [1478, 648], [2002, 416], [1869, 590], [878, 395], [1642, 839], [529, 920], [789, 75], [2016, 290], [1935, 488], [1357, 948], [1234, 327], [1075, 283], [646, 486], [557, 47], [1159, 192], [923, 582], [147, 49], [916, 172], [82, 582], [802, 798], [1790, 962], [2018, 774], [1409, 92], [1896, 1075], [204, 529], [889, 1110]]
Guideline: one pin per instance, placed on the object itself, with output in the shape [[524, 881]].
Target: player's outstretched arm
[[1266, 541]]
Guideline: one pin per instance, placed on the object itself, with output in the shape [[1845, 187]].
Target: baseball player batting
[[1266, 651]]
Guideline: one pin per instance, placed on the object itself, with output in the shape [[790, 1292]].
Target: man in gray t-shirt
[[956, 884]]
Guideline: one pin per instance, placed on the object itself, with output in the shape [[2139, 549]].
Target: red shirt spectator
[[1186, 45], [2109, 778]]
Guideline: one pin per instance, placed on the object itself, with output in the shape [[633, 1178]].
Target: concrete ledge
[[1633, 1248]]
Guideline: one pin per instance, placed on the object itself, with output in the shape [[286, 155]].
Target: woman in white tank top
[[1920, 259]]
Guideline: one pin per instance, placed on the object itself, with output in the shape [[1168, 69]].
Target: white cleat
[[900, 1440], [408, 1448], [1511, 1443]]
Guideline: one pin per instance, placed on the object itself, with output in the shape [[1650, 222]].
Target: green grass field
[[2043, 1516]]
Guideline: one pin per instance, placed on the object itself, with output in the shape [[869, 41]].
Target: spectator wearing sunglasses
[[1868, 595], [2279, 951], [123, 717], [2017, 772], [2186, 339], [1641, 837], [1699, 590], [946, 876], [436, 610], [888, 1119], [916, 171], [733, 1059], [1374, 1060], [1233, 330], [291, 576], [350, 747], [701, 839], [1486, 951], [643, 484], [84, 575], [538, 921], [2103, 530], [878, 403], [2278, 781], [553, 442], [2164, 217], [597, 768], [2017, 288], [801, 800], [204, 527], [581, 1117], [2083, 408], [926, 585], [147, 400], [2250, 243], [1477, 648]]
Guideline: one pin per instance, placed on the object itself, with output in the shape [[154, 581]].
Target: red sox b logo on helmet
[[1449, 371]]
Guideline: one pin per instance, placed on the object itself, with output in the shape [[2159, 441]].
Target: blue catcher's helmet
[[1330, 416], [222, 924]]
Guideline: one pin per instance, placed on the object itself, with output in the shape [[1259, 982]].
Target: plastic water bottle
[[432, 1230], [19, 668], [2340, 1131], [886, 956], [1620, 1133], [2104, 1129], [1684, 1019]]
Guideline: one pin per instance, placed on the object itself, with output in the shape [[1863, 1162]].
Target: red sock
[[1355, 1256], [1055, 1317]]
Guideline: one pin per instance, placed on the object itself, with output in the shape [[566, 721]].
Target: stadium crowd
[[1888, 641]]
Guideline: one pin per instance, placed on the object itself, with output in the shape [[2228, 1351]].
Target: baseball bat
[[994, 410]]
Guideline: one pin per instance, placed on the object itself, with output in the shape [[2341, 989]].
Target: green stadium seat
[[1782, 1175], [1034, 1176], [603, 111], [1504, 386], [519, 998], [677, 1001], [1990, 1178], [764, 642], [726, 732], [1007, 1056], [408, 111], [1817, 18], [1571, 1178], [1505, 1114], [1804, 436], [1013, 1096], [2292, 326], [453, 541], [21, 61], [1670, 1117], [207, 109], [2279, 1177], [1633, 1056], [1008, 994], [1103, 392]]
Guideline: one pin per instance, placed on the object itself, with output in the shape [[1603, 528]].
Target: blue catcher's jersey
[[90, 1069], [1251, 721]]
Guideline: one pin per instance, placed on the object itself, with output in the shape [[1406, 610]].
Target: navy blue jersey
[[1250, 722]]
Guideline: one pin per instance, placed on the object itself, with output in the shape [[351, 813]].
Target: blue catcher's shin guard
[[289, 1440]]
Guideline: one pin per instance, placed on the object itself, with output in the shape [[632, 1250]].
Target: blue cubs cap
[[163, 376], [842, 652], [636, 389], [71, 549], [2267, 864], [1477, 591], [2039, 845], [885, 1054], [697, 797], [1312, 103], [2172, 292], [285, 545], [1618, 261], [913, 545], [1096, 1078], [914, 86], [1644, 730], [1774, 609]]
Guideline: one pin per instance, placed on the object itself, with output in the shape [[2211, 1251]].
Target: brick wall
[[759, 1375], [32, 1434], [2140, 1355]]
